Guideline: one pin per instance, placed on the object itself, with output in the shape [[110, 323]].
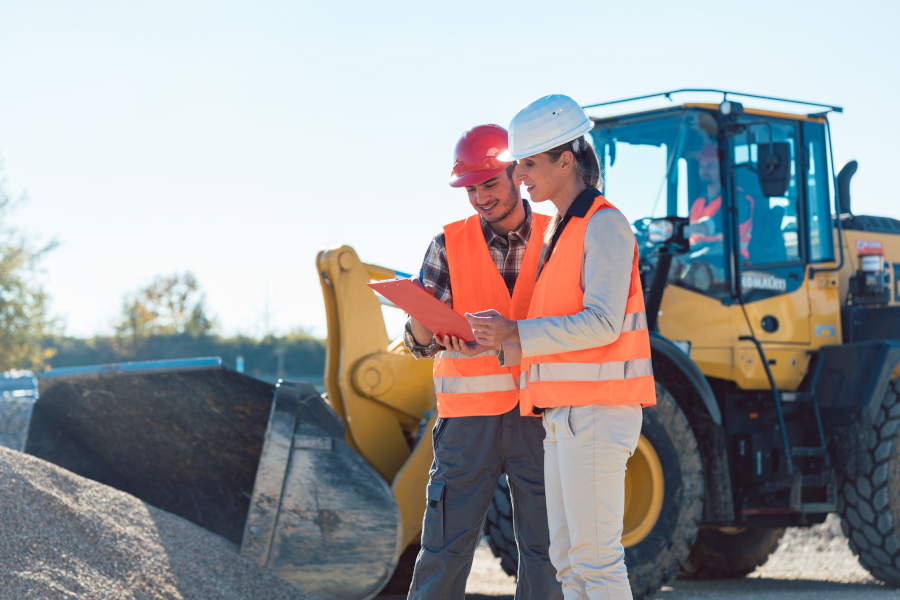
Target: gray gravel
[[811, 563], [64, 537], [817, 553]]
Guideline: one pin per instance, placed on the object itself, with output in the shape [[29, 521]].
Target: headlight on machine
[[660, 231]]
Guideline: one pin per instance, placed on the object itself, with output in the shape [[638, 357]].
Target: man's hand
[[454, 344], [492, 329], [415, 279], [421, 333]]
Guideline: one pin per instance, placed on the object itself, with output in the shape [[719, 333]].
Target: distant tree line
[[168, 319], [300, 354]]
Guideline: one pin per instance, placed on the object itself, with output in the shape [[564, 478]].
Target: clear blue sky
[[235, 139]]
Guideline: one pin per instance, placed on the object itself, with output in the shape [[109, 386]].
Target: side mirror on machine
[[773, 165], [670, 235], [670, 232]]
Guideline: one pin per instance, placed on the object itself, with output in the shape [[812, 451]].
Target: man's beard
[[512, 199]]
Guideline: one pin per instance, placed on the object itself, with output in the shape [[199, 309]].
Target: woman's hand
[[454, 344], [492, 329]]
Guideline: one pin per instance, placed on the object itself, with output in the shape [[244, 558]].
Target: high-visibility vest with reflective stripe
[[478, 386], [618, 373]]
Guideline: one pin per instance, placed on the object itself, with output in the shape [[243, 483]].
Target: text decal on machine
[[755, 281]]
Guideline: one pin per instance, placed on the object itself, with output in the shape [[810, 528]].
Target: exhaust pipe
[[843, 183]]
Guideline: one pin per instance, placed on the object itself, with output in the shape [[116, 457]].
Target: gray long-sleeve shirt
[[605, 278]]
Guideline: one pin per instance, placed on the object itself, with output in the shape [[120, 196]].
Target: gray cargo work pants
[[470, 455]]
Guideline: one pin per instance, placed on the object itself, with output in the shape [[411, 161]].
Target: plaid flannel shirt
[[506, 252]]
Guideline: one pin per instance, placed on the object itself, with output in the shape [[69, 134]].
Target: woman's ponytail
[[587, 166]]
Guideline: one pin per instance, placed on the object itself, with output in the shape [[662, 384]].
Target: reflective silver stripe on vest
[[480, 384], [460, 355], [642, 367], [635, 321], [523, 380]]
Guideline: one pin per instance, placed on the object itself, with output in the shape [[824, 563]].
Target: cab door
[[768, 238]]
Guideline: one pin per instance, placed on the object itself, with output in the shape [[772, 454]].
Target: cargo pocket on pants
[[433, 527], [440, 426]]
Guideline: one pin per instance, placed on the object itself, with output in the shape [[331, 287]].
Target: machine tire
[[499, 530], [654, 560], [721, 554], [869, 504]]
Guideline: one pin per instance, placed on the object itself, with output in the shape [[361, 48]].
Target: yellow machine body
[[810, 318]]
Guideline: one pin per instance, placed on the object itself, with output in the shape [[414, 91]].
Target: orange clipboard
[[439, 318]]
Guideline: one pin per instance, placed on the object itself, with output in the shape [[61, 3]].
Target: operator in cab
[[486, 261], [707, 209]]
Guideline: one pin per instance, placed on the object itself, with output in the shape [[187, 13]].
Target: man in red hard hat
[[487, 261]]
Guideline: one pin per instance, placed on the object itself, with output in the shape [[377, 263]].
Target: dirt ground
[[810, 564]]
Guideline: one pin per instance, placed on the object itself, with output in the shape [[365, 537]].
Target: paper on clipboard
[[439, 318]]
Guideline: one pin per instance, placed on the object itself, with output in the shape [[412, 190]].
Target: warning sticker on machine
[[826, 330], [869, 247]]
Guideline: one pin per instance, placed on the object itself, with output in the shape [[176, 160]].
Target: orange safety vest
[[478, 386], [700, 209], [618, 373]]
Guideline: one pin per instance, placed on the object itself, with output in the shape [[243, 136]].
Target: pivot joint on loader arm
[[396, 380]]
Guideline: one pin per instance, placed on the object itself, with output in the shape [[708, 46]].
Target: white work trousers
[[585, 451]]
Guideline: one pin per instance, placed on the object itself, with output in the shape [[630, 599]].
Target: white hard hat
[[544, 124]]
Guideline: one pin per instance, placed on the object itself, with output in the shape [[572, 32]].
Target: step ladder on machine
[[812, 479]]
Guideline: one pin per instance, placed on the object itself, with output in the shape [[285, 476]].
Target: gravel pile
[[818, 553], [824, 537], [64, 537]]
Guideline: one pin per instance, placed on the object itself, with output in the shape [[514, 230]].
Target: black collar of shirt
[[582, 203], [579, 208]]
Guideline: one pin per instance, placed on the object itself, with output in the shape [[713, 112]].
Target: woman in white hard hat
[[585, 348]]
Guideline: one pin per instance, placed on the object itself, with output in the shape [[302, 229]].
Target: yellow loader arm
[[378, 389]]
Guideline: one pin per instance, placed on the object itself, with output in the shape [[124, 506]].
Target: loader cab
[[754, 228]]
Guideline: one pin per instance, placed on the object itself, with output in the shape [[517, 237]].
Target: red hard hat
[[475, 158]]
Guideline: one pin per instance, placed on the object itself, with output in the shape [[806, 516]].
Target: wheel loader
[[775, 332]]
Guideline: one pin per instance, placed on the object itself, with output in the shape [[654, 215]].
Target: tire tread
[[865, 499], [707, 562]]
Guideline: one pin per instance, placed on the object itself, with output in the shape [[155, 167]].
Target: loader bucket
[[265, 466], [18, 391]]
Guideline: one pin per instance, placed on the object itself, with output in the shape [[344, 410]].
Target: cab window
[[768, 227], [670, 166], [821, 238]]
